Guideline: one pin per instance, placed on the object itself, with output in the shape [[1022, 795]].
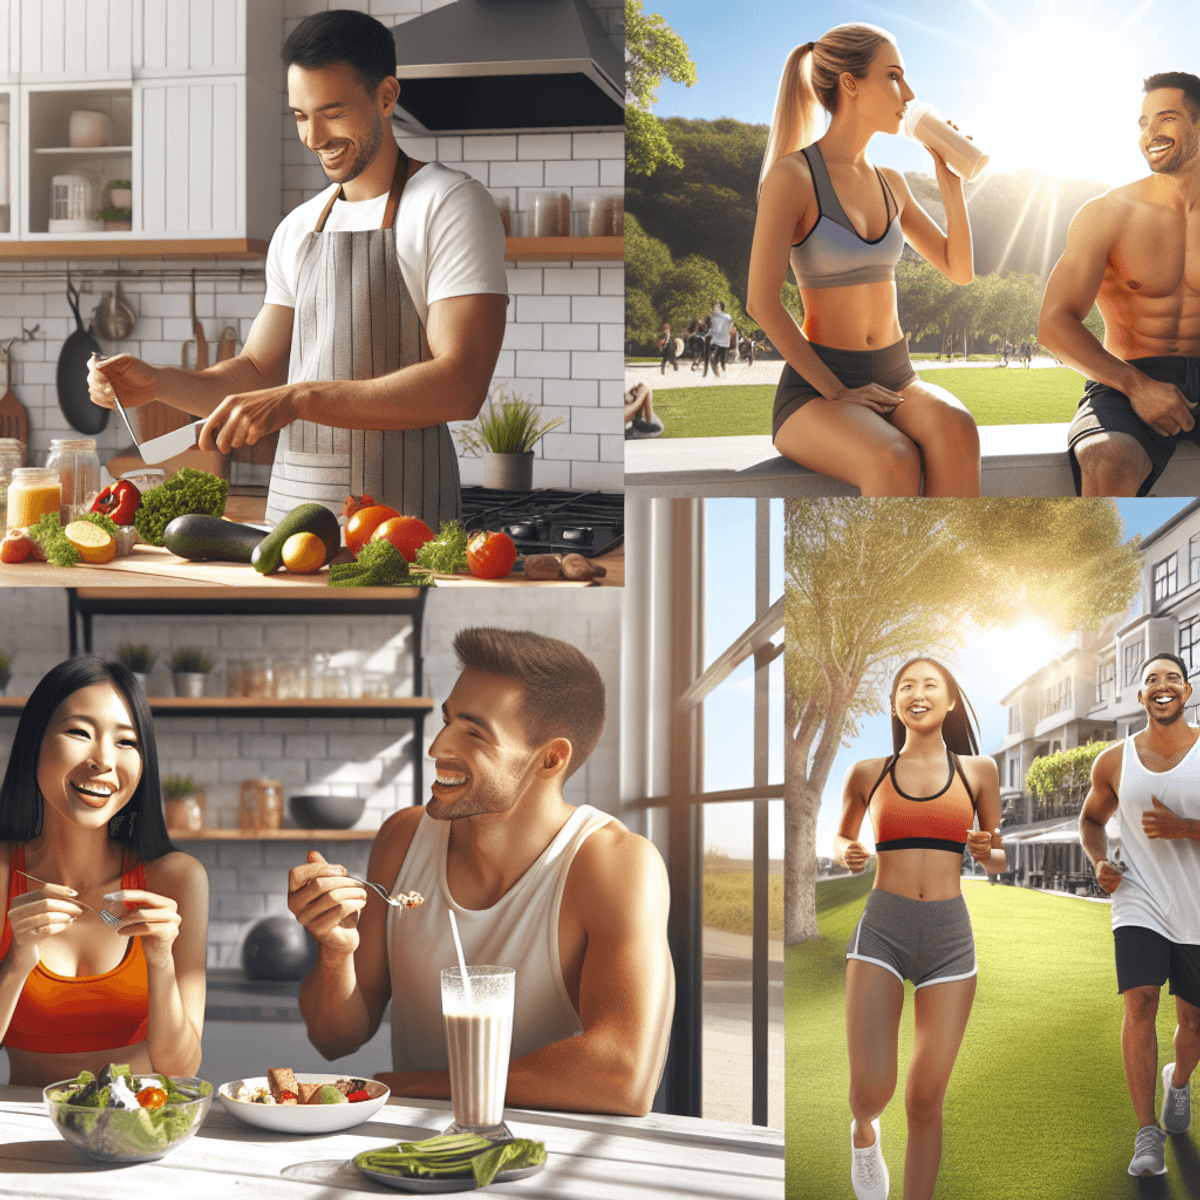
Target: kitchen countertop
[[153, 566]]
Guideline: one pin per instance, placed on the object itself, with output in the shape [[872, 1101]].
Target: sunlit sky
[[1056, 87], [989, 667]]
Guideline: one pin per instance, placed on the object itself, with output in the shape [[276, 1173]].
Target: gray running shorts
[[927, 941]]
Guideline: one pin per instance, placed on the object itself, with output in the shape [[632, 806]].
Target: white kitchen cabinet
[[70, 40]]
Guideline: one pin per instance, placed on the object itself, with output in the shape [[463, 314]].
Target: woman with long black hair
[[81, 811], [924, 800], [849, 403]]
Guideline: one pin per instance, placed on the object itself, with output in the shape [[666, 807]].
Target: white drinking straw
[[462, 962]]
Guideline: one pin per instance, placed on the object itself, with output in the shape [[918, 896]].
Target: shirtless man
[[1135, 251], [1152, 785]]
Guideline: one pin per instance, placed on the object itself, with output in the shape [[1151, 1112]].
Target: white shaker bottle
[[923, 123]]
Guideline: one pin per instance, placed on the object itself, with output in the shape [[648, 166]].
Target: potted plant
[[183, 805], [506, 435], [119, 212], [5, 672], [139, 659], [189, 667]]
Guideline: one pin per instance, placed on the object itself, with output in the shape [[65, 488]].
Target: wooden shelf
[[564, 249], [256, 706], [276, 835], [126, 245]]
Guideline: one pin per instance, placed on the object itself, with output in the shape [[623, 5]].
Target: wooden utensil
[[227, 346], [198, 331], [14, 420]]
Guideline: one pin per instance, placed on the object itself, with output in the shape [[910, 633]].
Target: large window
[[1189, 643], [1106, 680], [1056, 698], [1014, 772], [1014, 718], [1166, 578], [1133, 660], [1194, 559]]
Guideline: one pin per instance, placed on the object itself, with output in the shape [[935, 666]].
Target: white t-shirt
[[720, 323], [449, 238]]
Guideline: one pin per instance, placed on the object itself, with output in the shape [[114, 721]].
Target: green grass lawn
[[1004, 396], [729, 902], [1037, 1105]]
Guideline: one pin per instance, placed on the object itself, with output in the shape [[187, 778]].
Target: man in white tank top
[[1152, 785], [568, 897]]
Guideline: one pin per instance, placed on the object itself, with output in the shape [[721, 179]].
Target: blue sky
[[1056, 87], [987, 669]]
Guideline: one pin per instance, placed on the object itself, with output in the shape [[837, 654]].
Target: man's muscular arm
[[617, 889], [1161, 822], [1099, 806], [1070, 293]]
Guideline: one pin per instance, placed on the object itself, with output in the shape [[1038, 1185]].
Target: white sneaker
[[1149, 1152], [1176, 1113], [868, 1171]]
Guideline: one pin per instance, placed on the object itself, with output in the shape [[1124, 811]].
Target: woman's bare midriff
[[859, 317], [920, 874], [29, 1069]]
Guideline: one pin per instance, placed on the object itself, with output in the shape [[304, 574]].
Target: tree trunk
[[801, 803]]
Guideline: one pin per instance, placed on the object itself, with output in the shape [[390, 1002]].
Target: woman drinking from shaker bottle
[[924, 800], [849, 403]]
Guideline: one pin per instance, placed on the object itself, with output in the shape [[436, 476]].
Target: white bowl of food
[[303, 1104]]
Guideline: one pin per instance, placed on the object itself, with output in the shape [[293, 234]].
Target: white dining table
[[608, 1158]]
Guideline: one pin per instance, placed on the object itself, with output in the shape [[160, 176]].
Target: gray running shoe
[[868, 1171], [1148, 1152], [1176, 1114]]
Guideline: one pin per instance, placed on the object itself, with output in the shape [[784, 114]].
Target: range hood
[[508, 66]]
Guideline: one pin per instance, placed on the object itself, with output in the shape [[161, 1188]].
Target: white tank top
[[520, 931], [1161, 887]]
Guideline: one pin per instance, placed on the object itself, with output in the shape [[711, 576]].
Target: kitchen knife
[[159, 449]]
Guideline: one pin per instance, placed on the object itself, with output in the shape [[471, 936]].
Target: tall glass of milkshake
[[478, 1039]]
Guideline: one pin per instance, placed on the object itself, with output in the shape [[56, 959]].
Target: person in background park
[[1152, 784], [640, 418], [1132, 251], [849, 403], [720, 326], [1026, 353], [923, 800], [666, 347]]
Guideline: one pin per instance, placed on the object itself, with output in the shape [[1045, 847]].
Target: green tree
[[690, 289], [871, 582], [653, 50], [647, 260], [1067, 774]]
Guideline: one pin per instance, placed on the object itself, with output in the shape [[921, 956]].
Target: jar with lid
[[261, 804], [32, 493], [78, 467], [12, 456]]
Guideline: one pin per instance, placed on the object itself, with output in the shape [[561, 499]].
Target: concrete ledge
[[1018, 460]]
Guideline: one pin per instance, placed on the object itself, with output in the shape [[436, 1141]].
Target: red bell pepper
[[119, 501]]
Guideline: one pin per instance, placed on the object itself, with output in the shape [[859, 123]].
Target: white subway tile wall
[[367, 757], [562, 348]]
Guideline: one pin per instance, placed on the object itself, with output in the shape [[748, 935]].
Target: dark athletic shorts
[[1147, 959], [927, 941], [890, 368], [1105, 410]]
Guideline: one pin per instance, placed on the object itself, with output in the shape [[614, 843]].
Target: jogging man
[[1152, 784], [1135, 251]]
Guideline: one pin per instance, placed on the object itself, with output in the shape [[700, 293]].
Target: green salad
[[120, 1115]]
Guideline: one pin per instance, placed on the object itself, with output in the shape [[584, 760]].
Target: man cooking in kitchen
[[384, 308], [568, 897]]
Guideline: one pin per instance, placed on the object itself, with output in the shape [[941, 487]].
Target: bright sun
[[1011, 655]]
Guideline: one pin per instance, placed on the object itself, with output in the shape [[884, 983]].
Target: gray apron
[[355, 319]]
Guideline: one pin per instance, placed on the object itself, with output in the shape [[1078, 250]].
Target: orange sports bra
[[76, 1014], [937, 822]]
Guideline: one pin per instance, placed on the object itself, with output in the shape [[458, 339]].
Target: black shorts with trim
[[1147, 959], [1105, 410]]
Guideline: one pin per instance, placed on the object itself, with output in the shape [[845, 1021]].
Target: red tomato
[[16, 547], [152, 1097], [491, 555], [364, 523], [407, 534], [359, 1096]]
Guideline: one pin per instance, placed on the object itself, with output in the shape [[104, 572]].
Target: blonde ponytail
[[810, 82]]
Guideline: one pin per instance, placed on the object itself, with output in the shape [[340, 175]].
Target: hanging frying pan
[[73, 398]]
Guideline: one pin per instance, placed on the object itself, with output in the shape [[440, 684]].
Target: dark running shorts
[[1147, 959], [1105, 410], [890, 367], [927, 941]]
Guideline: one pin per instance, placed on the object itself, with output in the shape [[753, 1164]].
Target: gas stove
[[549, 521]]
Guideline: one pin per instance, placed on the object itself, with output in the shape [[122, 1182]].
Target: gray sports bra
[[832, 254]]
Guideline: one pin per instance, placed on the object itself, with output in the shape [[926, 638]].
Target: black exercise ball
[[278, 948]]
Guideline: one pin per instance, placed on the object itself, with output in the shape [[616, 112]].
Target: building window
[[1194, 559], [1014, 772], [1106, 680], [1166, 578], [1014, 718], [1056, 698], [1189, 643], [1133, 660]]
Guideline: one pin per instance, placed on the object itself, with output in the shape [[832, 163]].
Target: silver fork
[[108, 918], [408, 900]]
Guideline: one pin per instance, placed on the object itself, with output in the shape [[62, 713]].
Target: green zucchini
[[304, 518], [210, 539]]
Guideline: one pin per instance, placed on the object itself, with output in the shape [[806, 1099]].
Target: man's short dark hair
[[1189, 84], [564, 694], [343, 35], [1183, 667]]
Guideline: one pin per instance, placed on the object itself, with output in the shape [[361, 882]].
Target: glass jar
[[78, 467], [32, 493], [184, 814], [261, 804], [12, 456]]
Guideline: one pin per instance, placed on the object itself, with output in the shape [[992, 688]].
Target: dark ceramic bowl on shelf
[[326, 812]]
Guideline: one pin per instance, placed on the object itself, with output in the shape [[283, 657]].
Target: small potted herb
[[189, 667], [139, 659], [5, 672], [506, 435], [183, 805]]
